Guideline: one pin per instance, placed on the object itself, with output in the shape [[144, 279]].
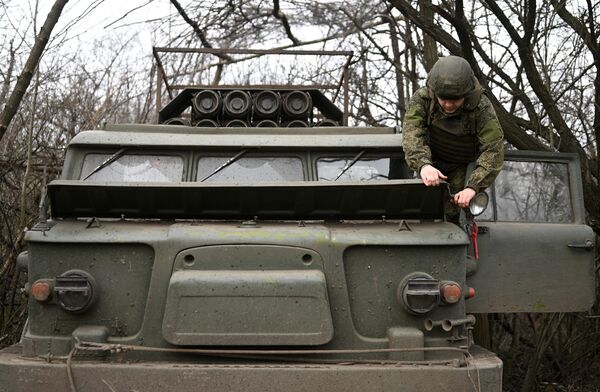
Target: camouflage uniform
[[487, 140]]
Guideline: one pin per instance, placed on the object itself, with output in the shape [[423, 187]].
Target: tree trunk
[[401, 104], [8, 75], [482, 333], [430, 53]]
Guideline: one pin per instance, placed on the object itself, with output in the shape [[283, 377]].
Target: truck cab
[[181, 257]]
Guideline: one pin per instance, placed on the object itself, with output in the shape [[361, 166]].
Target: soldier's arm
[[417, 153], [491, 141]]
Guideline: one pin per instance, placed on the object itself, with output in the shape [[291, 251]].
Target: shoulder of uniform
[[423, 93], [484, 103], [490, 129], [420, 97]]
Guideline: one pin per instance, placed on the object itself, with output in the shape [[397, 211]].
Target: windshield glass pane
[[134, 168], [367, 169], [251, 169], [533, 192]]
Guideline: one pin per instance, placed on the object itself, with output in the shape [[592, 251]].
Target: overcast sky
[[84, 21]]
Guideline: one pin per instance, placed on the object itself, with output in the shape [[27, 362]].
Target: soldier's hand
[[463, 198], [431, 176]]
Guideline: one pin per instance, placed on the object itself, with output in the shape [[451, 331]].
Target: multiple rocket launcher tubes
[[238, 108]]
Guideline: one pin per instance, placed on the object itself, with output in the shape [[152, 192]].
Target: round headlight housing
[[75, 291], [419, 293]]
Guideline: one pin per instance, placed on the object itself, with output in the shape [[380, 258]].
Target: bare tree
[[536, 119], [41, 40], [68, 94]]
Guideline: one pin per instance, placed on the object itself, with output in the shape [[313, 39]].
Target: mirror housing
[[479, 203]]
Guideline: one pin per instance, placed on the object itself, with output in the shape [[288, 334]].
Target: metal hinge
[[587, 245]]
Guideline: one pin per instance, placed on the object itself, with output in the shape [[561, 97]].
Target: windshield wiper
[[107, 162], [229, 162], [350, 164]]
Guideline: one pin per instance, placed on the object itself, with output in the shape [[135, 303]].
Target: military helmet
[[451, 78]]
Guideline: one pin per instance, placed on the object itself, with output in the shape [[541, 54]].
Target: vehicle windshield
[[251, 169], [243, 166], [134, 168], [364, 169]]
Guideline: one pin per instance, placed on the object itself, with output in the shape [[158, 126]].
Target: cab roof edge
[[181, 129]]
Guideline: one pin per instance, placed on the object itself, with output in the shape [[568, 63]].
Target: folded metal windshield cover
[[396, 199]]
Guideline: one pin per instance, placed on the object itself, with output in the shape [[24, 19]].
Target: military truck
[[268, 258]]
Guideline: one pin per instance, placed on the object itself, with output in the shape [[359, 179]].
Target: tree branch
[[278, 14], [529, 25], [24, 78], [578, 27], [429, 46], [433, 30], [508, 25], [202, 36], [199, 32], [380, 49]]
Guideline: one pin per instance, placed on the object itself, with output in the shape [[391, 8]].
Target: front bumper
[[482, 373]]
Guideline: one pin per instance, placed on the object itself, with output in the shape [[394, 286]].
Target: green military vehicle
[[269, 258]]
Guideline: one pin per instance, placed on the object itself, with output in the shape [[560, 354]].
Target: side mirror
[[479, 203]]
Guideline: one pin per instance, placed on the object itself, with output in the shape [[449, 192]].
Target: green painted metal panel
[[373, 274], [529, 267], [285, 307], [122, 272]]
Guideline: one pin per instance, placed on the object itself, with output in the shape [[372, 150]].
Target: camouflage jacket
[[489, 135]]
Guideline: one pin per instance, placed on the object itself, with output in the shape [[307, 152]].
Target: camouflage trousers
[[456, 179]]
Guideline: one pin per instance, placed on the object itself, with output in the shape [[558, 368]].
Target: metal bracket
[[587, 245], [404, 226], [92, 222], [250, 223]]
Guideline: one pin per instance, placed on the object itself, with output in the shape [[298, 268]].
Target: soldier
[[448, 124]]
